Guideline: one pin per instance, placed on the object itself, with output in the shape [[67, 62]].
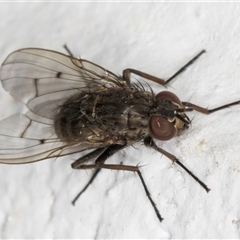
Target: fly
[[76, 105]]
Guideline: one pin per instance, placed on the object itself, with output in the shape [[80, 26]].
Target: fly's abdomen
[[73, 121]]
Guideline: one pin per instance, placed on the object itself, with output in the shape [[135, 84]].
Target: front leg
[[208, 111], [148, 141]]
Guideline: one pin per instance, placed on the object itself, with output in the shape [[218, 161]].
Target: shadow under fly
[[76, 105]]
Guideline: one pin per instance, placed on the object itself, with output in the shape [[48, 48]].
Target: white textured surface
[[157, 38]]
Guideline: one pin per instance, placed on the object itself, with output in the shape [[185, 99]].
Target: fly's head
[[168, 118]]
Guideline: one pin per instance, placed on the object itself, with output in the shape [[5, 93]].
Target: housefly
[[76, 105]]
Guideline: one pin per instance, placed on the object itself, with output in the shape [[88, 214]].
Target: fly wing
[[28, 138], [44, 79]]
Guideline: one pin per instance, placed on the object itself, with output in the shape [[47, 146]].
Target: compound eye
[[166, 95], [161, 129]]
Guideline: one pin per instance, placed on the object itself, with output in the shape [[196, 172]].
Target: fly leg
[[127, 72], [131, 169], [148, 141], [95, 173], [88, 157], [101, 156], [208, 111], [99, 164], [68, 50]]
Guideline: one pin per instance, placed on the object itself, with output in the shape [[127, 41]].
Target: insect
[[76, 105]]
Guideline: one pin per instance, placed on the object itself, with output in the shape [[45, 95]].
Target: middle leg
[[131, 169]]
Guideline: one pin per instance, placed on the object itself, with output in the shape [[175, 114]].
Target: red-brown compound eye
[[165, 95], [161, 129]]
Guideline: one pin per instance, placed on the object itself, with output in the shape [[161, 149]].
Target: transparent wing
[[28, 138], [44, 79]]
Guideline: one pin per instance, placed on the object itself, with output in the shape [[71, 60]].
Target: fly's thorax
[[123, 112]]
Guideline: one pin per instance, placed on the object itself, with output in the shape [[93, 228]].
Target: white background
[[157, 38]]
